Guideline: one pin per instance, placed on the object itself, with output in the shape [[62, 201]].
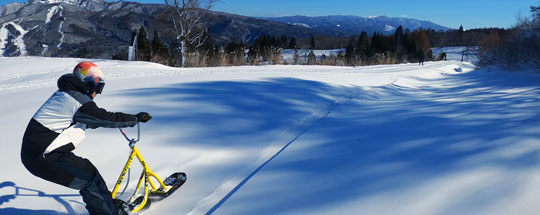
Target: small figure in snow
[[421, 58], [59, 126]]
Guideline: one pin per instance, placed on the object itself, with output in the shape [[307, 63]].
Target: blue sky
[[450, 13]]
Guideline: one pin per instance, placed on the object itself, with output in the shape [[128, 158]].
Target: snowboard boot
[[123, 207]]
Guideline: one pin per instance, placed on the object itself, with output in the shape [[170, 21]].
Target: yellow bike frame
[[146, 175]]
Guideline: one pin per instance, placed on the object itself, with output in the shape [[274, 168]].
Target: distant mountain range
[[100, 29], [350, 25]]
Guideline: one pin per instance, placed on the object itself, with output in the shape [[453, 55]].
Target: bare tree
[[186, 16]]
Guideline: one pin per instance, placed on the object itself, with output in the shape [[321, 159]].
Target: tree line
[[363, 49], [516, 48], [497, 47], [403, 46]]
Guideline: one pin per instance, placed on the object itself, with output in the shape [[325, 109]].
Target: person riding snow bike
[[58, 127]]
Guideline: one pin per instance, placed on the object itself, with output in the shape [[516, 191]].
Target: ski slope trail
[[212, 203], [209, 205], [444, 138], [13, 78]]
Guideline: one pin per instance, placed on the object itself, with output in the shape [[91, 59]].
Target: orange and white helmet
[[91, 75]]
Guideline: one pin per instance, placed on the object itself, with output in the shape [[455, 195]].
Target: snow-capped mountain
[[349, 25], [96, 5], [82, 28], [72, 2], [101, 29]]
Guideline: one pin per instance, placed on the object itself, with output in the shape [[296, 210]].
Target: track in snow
[[211, 203]]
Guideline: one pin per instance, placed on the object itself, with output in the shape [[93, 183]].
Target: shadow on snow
[[26, 192], [389, 139]]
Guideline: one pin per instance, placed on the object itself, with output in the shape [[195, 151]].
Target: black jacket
[[59, 125]]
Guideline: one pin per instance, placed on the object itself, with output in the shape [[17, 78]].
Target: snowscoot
[[138, 202]]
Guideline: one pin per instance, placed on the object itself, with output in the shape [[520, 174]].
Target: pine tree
[[312, 43], [273, 42], [143, 44], [398, 36], [283, 41], [349, 52], [376, 44], [159, 49], [362, 46], [292, 43]]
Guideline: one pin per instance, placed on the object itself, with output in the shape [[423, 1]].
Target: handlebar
[[133, 141]]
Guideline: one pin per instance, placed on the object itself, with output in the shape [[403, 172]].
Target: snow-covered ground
[[456, 53], [442, 138]]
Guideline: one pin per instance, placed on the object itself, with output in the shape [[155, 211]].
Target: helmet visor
[[99, 88]]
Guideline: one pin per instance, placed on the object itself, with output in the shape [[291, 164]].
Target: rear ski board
[[175, 181]]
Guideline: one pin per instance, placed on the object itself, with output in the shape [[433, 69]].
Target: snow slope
[[18, 40], [442, 138]]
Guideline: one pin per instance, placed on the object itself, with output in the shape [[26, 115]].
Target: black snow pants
[[67, 169]]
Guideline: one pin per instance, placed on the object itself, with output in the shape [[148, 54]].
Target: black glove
[[143, 117]]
